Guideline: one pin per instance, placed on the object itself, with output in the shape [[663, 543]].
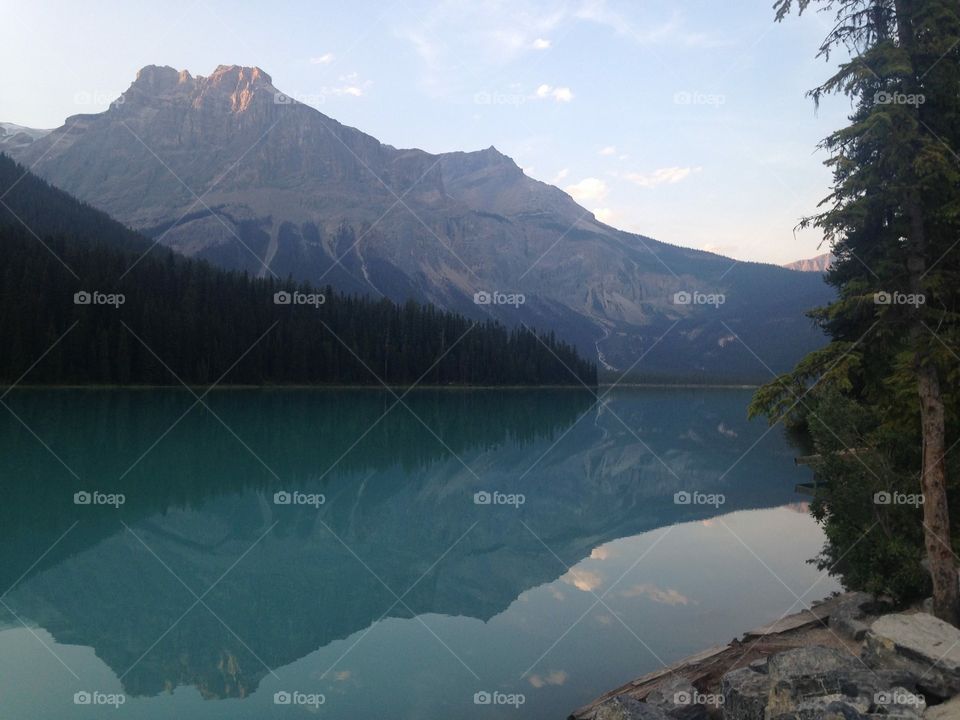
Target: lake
[[332, 553]]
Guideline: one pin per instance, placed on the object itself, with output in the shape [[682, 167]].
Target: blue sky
[[685, 121]]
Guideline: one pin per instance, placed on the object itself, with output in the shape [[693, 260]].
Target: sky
[[683, 120]]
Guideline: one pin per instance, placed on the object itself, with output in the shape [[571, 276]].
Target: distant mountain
[[80, 291], [14, 137], [229, 169], [819, 264]]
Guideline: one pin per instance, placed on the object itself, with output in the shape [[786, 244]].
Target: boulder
[[623, 707], [920, 645], [812, 683], [679, 699], [746, 693], [854, 613]]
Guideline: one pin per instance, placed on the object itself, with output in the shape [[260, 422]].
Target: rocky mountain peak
[[240, 74], [156, 78]]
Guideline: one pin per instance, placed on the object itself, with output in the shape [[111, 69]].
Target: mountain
[[17, 136], [229, 169], [90, 298], [818, 264]]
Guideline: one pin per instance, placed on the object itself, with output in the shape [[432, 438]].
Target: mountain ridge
[[229, 169]]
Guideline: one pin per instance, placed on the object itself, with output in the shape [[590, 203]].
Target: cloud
[[350, 85], [604, 215], [585, 580], [324, 59], [554, 677], [455, 39], [560, 176], [662, 176], [670, 31], [589, 189], [608, 150], [559, 94], [658, 595], [600, 552]]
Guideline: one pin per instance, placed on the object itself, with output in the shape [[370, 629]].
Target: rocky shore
[[846, 658]]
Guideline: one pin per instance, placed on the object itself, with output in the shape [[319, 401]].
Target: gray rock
[[949, 710], [853, 615], [812, 683], [826, 708], [746, 693], [919, 645], [679, 699], [623, 707], [810, 661]]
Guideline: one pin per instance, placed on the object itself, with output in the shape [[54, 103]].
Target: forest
[[88, 301]]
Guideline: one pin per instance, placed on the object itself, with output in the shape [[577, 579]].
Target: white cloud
[[455, 39], [560, 176], [559, 94], [608, 150], [350, 85], [324, 59], [555, 677], [662, 176], [670, 31], [589, 189], [604, 215], [665, 596]]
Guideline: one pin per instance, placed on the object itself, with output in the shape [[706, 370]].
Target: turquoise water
[[387, 586]]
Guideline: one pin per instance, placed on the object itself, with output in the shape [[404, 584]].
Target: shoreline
[[807, 628], [422, 386]]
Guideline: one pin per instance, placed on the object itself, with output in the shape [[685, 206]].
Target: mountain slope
[[80, 292], [818, 263], [229, 169]]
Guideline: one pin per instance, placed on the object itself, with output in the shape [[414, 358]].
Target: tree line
[[68, 295]]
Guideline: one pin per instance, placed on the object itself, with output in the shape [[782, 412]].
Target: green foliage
[[892, 220]]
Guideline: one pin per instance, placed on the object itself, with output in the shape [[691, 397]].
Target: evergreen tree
[[892, 220]]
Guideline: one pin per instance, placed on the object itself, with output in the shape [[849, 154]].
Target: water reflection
[[399, 588]]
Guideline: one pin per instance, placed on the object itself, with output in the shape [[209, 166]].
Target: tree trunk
[[933, 484]]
